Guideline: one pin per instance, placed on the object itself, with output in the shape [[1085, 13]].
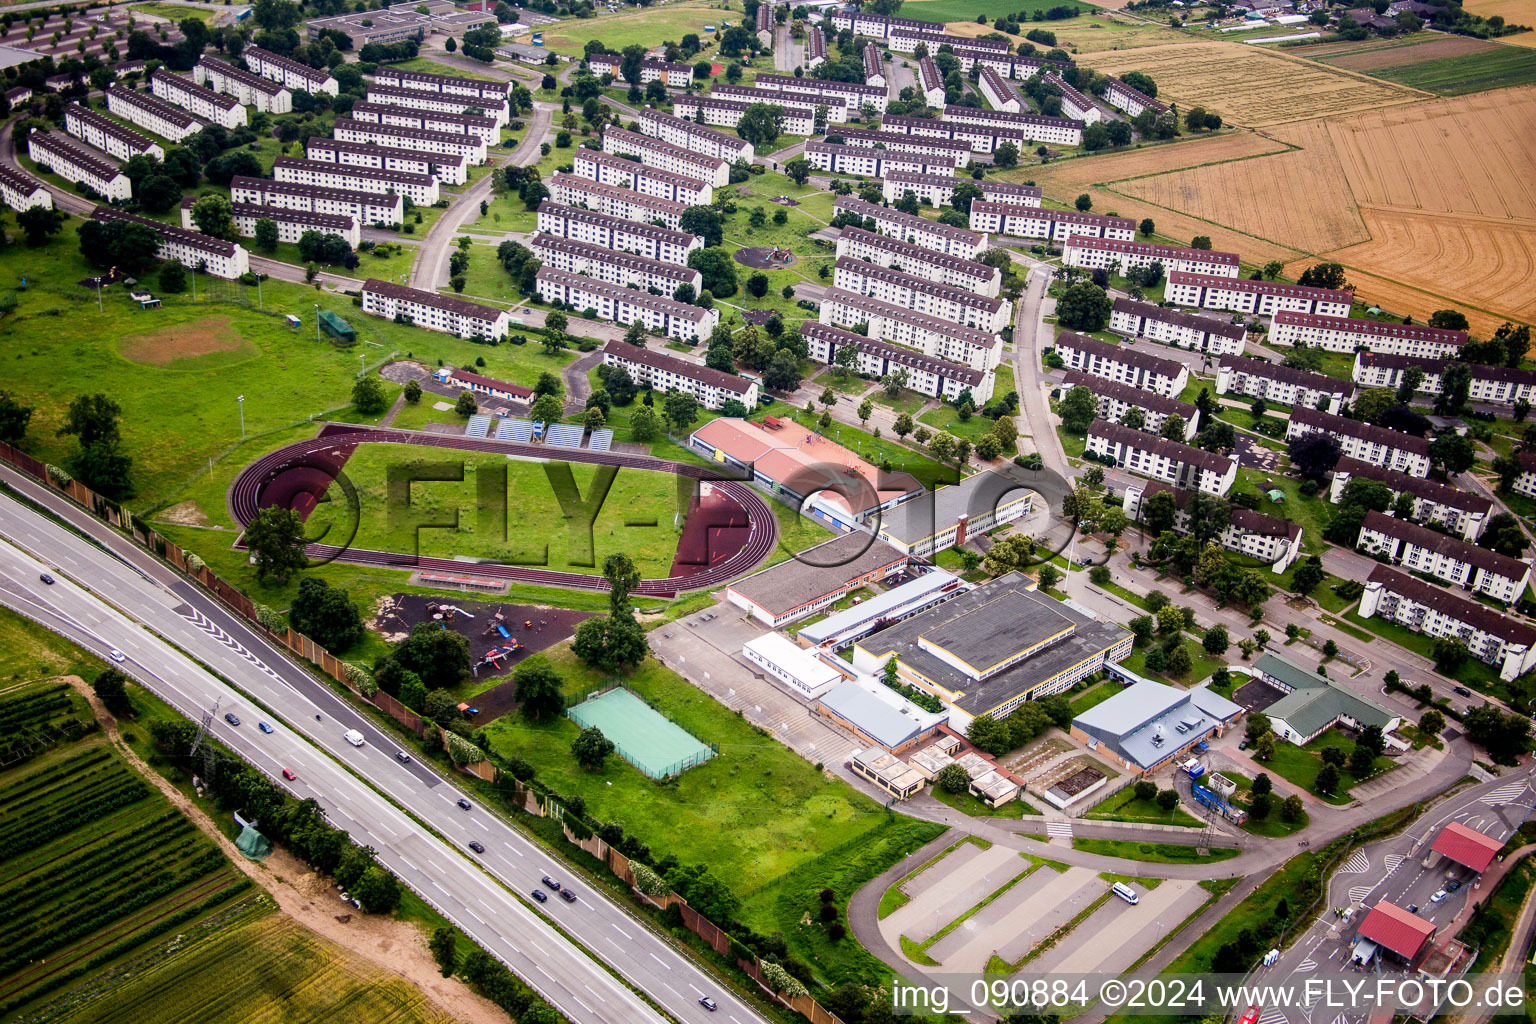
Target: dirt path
[[394, 946]]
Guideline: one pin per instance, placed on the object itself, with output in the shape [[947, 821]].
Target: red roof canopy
[[1395, 928], [1467, 846]]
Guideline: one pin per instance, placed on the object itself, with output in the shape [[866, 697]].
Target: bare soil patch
[[212, 335], [1417, 53], [186, 513]]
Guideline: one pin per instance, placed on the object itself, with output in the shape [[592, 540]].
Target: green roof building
[[1313, 704]]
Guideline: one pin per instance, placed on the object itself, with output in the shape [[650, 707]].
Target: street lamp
[[241, 400], [317, 321]]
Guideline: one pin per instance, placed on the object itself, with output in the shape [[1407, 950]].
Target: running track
[[245, 501]]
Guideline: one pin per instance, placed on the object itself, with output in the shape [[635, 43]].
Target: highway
[[361, 789]]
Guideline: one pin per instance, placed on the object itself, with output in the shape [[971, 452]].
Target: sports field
[[641, 736], [648, 28]]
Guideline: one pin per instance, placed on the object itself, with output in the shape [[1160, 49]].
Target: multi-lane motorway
[[109, 594]]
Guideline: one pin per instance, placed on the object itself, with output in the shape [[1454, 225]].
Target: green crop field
[[543, 522], [1477, 72], [172, 11], [967, 10], [647, 28]]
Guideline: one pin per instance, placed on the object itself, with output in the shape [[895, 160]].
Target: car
[[46, 578], [476, 846], [708, 1003], [551, 883], [115, 654], [567, 895], [1461, 691], [232, 718], [463, 804], [402, 757], [1453, 885], [471, 711], [1243, 745], [264, 727], [1439, 895], [288, 774], [1413, 908], [539, 896]]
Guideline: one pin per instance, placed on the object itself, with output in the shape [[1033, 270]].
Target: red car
[[289, 775]]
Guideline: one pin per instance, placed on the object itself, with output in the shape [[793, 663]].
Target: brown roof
[[153, 104], [891, 311], [644, 142], [636, 227], [1129, 395], [620, 293], [1188, 321], [817, 84], [1127, 354], [354, 170], [1478, 616], [1004, 118], [597, 156], [1171, 252], [196, 239], [893, 353], [516, 390], [916, 252], [853, 204], [399, 131], [589, 185], [1161, 446], [919, 284], [1501, 374], [1007, 209], [1329, 423], [694, 129], [287, 64], [390, 152], [889, 139], [265, 85], [335, 195], [1136, 94], [1374, 328], [380, 105], [1244, 519], [463, 307], [1429, 490], [623, 351], [1445, 545], [1243, 284], [1287, 374], [604, 254], [193, 89]]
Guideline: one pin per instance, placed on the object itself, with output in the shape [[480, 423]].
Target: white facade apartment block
[[854, 95], [939, 189], [955, 154], [1255, 298], [815, 47], [1123, 97], [245, 88], [190, 248], [288, 72], [799, 119], [695, 137], [870, 163], [1259, 378], [937, 378], [914, 259], [929, 82], [672, 75], [480, 126], [421, 189], [1020, 220], [436, 102], [921, 295], [76, 165], [1498, 640], [1074, 103], [663, 315], [1264, 538], [1116, 400], [1498, 385], [446, 168], [1447, 559], [1036, 127], [614, 201], [971, 52], [107, 135], [874, 70], [667, 157], [199, 102], [836, 106], [664, 372], [646, 240], [151, 114], [994, 88], [434, 312], [20, 191], [1171, 327], [291, 224], [930, 335], [448, 85], [1461, 512], [613, 267], [471, 147], [616, 170], [1175, 464], [950, 241], [1092, 253], [1345, 334], [376, 208], [1123, 364], [1525, 483], [1364, 441]]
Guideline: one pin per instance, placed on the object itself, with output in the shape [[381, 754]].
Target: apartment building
[[1461, 512], [614, 201], [1197, 333], [663, 155], [1499, 385], [20, 191], [1364, 441], [1346, 334], [242, 86], [288, 72], [1175, 464], [1115, 254], [997, 91], [1498, 640], [763, 24], [447, 85], [874, 70], [939, 189], [191, 248], [1116, 399], [630, 236], [1006, 64], [1281, 385], [1255, 298], [459, 144], [199, 102], [815, 47], [616, 170], [1122, 363], [1021, 220], [612, 266], [672, 75], [921, 295], [421, 189], [1525, 483], [930, 83], [1448, 559], [855, 161], [956, 154], [151, 114], [1075, 104], [291, 224], [446, 313], [1036, 127], [937, 378], [373, 208], [915, 259], [855, 96], [951, 241], [480, 126], [930, 335], [835, 106], [74, 164], [799, 118], [694, 137], [668, 373], [1255, 535], [437, 102], [107, 135], [448, 169], [1133, 102], [660, 314]]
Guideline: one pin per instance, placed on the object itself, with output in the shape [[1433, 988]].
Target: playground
[[640, 734]]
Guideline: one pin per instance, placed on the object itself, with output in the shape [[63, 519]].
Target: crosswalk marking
[[1059, 829], [1272, 1017], [1357, 864], [1504, 794], [1307, 965], [1359, 892], [1393, 860]]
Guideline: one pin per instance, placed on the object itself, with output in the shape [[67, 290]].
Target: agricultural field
[[635, 517], [648, 27], [1499, 68], [1087, 34], [1516, 12], [967, 10], [1251, 86], [1370, 54]]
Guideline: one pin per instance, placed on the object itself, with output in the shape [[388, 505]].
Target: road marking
[[1357, 864], [594, 994], [1059, 829], [1392, 861], [1273, 1017], [695, 988], [621, 931], [1358, 893], [1307, 965], [660, 961]]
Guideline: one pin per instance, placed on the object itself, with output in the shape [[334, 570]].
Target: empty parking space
[[968, 946], [1048, 910], [964, 884], [1117, 934]]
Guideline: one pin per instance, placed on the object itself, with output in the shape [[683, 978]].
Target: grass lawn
[[1153, 853], [946, 417], [1201, 664], [172, 12], [1123, 806], [966, 803], [486, 278], [542, 525], [1272, 826], [907, 402], [1094, 696], [647, 28], [1312, 513], [1300, 765], [903, 459], [438, 68]]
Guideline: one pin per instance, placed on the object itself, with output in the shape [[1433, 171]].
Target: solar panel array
[[479, 425], [602, 439], [513, 429], [563, 435]]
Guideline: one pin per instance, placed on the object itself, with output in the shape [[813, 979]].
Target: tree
[[173, 278], [757, 285], [1078, 409], [1308, 576], [39, 223], [680, 410], [1168, 799], [612, 644], [326, 615], [93, 420], [266, 233], [445, 950], [412, 391], [377, 890], [1451, 451], [1505, 737], [1408, 386], [990, 735], [213, 215], [1258, 725], [716, 268], [1173, 428], [14, 418], [539, 690], [1327, 779], [440, 706], [122, 244], [707, 223], [1216, 641], [643, 426], [591, 748], [466, 405], [1084, 306], [1084, 202], [1291, 810], [798, 170], [953, 779], [761, 123], [1146, 790], [1200, 242], [276, 540], [368, 395], [111, 687], [1323, 275], [1448, 319], [1314, 453], [1455, 386], [783, 373], [1264, 746], [1006, 155], [903, 425], [1504, 535]]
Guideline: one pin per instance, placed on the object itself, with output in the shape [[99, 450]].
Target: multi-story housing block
[[694, 137], [384, 209], [1451, 508], [1063, 131], [440, 103], [1259, 378], [434, 312], [242, 86], [646, 240], [671, 74], [1367, 442], [421, 189], [447, 168], [152, 114], [1175, 464], [668, 373], [1197, 333], [937, 378], [291, 224], [951, 241], [1346, 334], [107, 135], [1122, 363], [288, 72], [1448, 559], [199, 102], [1496, 385], [653, 152], [616, 170], [194, 249], [835, 158], [923, 262], [799, 118], [660, 314], [458, 144], [75, 164], [1255, 535], [1116, 399], [615, 201], [1022, 220], [930, 335], [1498, 640], [20, 191], [1255, 298], [612, 266], [1115, 254], [921, 295]]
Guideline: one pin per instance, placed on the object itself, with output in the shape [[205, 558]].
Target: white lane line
[[695, 988], [594, 994], [660, 961], [621, 932]]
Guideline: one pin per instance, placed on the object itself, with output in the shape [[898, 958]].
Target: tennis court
[[640, 734]]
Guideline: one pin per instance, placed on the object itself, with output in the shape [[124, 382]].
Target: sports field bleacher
[[602, 439], [514, 429], [479, 425], [563, 435]]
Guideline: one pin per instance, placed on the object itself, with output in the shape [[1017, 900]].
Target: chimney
[[960, 531]]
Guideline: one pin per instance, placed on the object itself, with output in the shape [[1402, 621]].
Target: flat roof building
[[840, 629], [1147, 725], [804, 672], [950, 515], [818, 578], [877, 714]]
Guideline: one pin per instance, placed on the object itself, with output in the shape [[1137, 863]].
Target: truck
[[1194, 768], [354, 737]]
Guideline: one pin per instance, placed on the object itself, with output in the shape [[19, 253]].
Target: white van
[[354, 737], [1126, 893]]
